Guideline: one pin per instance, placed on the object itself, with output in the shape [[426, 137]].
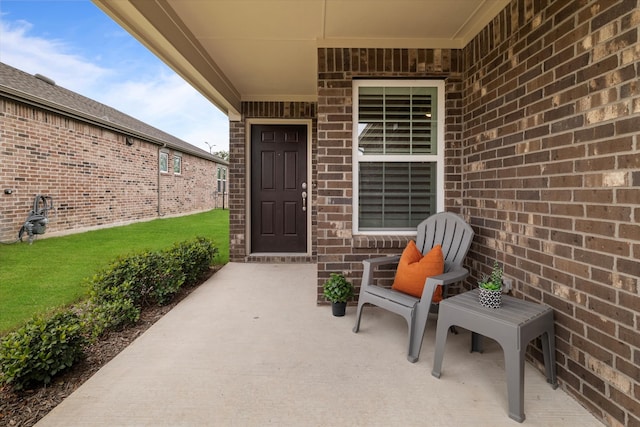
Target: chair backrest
[[448, 230]]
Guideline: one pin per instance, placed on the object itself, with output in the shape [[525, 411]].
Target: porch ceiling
[[246, 50]]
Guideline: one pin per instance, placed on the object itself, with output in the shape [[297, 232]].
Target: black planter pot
[[338, 308]]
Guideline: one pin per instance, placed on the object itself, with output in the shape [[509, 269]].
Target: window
[[164, 162], [398, 155], [222, 180], [177, 165]]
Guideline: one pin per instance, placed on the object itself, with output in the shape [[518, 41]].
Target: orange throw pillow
[[414, 269]]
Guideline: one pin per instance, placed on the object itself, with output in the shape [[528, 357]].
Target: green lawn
[[52, 272]]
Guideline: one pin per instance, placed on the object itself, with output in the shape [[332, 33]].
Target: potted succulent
[[491, 288], [338, 290]]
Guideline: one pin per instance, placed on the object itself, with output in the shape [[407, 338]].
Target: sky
[[82, 49]]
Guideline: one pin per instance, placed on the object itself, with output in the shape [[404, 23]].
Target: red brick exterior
[[551, 180], [94, 177]]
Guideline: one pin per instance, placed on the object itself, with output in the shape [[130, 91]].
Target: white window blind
[[396, 195], [398, 158]]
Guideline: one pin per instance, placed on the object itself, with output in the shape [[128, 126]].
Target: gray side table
[[513, 326]]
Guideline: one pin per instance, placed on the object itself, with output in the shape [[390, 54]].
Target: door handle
[[304, 201]]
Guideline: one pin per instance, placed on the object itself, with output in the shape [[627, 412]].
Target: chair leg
[[416, 333], [441, 339], [356, 327]]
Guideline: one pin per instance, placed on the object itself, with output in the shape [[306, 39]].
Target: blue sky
[[76, 44]]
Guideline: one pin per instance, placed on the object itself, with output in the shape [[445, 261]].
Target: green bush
[[131, 283], [33, 354], [111, 312], [163, 275], [146, 278], [194, 256]]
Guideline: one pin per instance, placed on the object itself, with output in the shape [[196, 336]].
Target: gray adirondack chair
[[455, 236]]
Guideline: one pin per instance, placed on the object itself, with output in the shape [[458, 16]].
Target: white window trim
[[177, 156], [221, 179], [438, 158], [163, 154]]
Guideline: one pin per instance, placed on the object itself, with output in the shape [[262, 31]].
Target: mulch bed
[[27, 407]]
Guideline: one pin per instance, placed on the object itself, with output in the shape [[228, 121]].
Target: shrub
[[131, 283], [33, 354], [162, 275], [194, 257], [144, 279], [111, 313]]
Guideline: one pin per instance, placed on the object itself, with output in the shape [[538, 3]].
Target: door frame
[[310, 187]]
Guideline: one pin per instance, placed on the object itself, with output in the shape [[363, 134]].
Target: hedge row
[[45, 346]]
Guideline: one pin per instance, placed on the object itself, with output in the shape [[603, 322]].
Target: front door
[[279, 192]]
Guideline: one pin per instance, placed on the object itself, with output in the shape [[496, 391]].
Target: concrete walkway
[[251, 348]]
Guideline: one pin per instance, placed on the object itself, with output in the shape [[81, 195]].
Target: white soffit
[[267, 49]]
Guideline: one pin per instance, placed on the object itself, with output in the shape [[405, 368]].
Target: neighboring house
[[101, 167], [528, 127]]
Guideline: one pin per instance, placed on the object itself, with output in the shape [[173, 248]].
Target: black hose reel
[[37, 220]]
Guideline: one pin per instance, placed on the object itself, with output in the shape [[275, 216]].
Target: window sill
[[380, 242]]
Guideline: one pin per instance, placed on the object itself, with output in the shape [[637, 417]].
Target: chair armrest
[[452, 276], [370, 264]]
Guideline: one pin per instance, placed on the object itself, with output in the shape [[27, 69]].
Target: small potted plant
[[491, 288], [338, 290]]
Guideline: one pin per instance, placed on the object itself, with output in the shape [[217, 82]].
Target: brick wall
[[238, 172], [237, 191], [552, 181], [195, 187], [94, 177], [338, 249]]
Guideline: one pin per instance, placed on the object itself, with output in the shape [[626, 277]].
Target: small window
[[164, 162], [177, 165], [398, 155], [222, 180]]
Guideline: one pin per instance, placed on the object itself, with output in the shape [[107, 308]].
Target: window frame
[[359, 158], [165, 155], [177, 158], [221, 179]]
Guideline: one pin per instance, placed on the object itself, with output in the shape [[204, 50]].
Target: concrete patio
[[250, 347]]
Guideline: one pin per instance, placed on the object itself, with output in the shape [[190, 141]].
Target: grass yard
[[52, 272]]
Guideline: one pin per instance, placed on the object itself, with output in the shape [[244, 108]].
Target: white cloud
[[177, 107], [159, 97], [51, 58]]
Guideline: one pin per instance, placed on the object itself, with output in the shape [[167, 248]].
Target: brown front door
[[279, 191]]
